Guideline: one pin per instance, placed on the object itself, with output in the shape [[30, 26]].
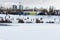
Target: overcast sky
[[32, 3]]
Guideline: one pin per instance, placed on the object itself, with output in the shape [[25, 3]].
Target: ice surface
[[30, 32]]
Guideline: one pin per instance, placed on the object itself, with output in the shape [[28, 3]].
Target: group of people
[[26, 19]]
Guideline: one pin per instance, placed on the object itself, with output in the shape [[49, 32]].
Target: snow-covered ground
[[30, 32]]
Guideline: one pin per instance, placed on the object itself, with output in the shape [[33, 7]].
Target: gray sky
[[32, 3]]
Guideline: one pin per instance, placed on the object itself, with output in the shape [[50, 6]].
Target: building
[[57, 12], [20, 6], [14, 7]]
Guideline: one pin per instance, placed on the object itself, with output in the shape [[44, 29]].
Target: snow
[[30, 32]]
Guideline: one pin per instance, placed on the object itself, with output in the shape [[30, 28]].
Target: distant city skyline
[[32, 3]]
